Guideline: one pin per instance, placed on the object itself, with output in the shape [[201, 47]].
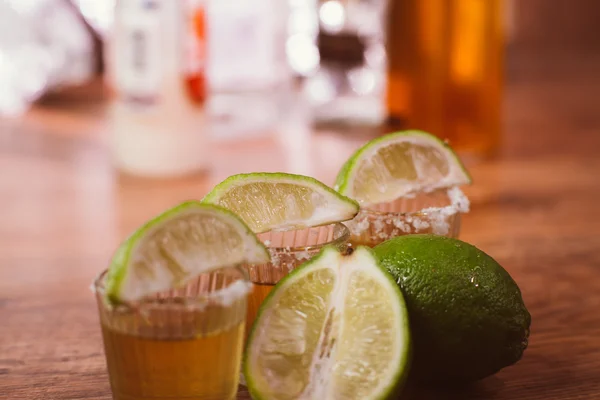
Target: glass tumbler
[[289, 249], [185, 343], [438, 212]]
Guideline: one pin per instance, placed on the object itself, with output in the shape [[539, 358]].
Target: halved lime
[[335, 328], [397, 164], [279, 201], [183, 242]]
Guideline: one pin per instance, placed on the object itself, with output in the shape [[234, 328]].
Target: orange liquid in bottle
[[445, 70], [195, 79]]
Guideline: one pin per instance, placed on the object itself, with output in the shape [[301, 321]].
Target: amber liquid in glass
[[260, 291], [445, 61], [146, 368]]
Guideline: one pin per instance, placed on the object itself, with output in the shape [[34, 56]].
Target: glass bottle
[[248, 73], [348, 84], [156, 74], [445, 70]]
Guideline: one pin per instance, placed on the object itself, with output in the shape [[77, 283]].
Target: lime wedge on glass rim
[[280, 201], [335, 328], [400, 163], [185, 241]]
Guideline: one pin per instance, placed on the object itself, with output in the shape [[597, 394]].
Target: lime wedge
[[177, 245], [397, 164], [335, 328], [279, 201]]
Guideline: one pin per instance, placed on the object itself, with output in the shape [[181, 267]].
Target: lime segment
[[177, 245], [268, 201], [336, 328], [397, 164]]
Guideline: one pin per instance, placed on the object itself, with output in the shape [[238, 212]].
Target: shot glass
[[289, 249], [438, 212], [182, 344]]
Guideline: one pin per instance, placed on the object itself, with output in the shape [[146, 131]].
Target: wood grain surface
[[535, 208]]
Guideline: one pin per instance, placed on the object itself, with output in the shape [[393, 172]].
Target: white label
[[139, 68]]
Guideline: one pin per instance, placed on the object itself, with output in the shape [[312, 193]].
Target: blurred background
[[170, 78], [113, 91]]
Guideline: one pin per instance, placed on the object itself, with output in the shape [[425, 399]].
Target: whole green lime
[[467, 316]]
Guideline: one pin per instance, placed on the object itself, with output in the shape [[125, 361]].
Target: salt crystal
[[358, 225], [439, 216], [458, 200], [303, 255], [419, 224], [400, 224], [378, 225], [231, 293]]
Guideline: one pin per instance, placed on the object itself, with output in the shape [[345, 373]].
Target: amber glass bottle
[[445, 69]]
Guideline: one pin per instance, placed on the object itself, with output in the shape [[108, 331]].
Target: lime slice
[[336, 328], [179, 244], [397, 164], [278, 201]]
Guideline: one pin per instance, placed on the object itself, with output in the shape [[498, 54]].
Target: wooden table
[[535, 208]]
